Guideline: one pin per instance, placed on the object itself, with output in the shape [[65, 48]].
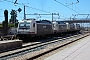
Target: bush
[[12, 25], [1, 26]]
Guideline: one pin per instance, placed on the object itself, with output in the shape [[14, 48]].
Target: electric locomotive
[[31, 28]]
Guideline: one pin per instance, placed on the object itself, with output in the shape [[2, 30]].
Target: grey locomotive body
[[31, 28], [44, 27]]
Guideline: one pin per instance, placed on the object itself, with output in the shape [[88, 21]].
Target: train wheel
[[20, 38]]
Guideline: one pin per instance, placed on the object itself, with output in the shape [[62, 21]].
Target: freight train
[[29, 28]]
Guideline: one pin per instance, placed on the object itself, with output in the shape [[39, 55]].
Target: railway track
[[33, 50]]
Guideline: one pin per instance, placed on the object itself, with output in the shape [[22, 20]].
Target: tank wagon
[[31, 28]]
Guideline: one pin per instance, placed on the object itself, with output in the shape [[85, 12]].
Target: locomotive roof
[[29, 19], [60, 22], [44, 21]]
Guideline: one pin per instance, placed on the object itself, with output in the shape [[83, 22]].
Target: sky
[[65, 8]]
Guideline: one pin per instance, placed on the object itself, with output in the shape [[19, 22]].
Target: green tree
[[13, 16]]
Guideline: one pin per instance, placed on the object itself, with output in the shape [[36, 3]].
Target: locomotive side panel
[[43, 29], [62, 27]]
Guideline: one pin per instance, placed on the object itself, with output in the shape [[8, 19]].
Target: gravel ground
[[49, 47]]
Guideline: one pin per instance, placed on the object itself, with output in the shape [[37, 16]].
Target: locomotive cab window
[[21, 24], [24, 25]]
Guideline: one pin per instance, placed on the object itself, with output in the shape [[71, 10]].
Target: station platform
[[9, 45], [79, 51]]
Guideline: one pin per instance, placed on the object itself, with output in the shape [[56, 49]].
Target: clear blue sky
[[46, 7]]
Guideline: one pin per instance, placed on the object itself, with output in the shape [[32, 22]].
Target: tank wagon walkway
[[79, 51]]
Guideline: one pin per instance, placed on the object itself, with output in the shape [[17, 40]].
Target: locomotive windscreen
[[24, 25]]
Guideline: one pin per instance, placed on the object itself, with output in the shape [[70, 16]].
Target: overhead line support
[[45, 14]]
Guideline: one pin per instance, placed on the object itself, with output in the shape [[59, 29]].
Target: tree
[[5, 23], [13, 16]]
